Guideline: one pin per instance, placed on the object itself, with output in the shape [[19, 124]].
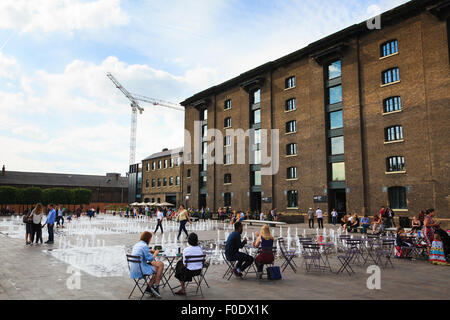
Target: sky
[[60, 113]]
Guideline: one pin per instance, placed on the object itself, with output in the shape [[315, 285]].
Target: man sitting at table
[[148, 265], [232, 253], [184, 272]]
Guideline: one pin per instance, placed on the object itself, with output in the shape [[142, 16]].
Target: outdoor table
[[369, 249], [354, 246], [170, 258], [248, 248]]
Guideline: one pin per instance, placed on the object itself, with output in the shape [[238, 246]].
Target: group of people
[[238, 215], [34, 226], [316, 214]]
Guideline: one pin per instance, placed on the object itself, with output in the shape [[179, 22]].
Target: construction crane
[[135, 107]]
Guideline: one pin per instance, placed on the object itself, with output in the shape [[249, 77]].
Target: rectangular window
[[256, 178], [291, 126], [227, 105], [291, 149], [397, 197], [394, 164], [290, 82], [256, 116], [257, 136], [188, 174], [227, 141], [227, 178], [177, 181], [188, 189], [257, 157], [337, 145], [338, 171], [227, 199], [153, 183], [171, 181], [256, 96], [290, 104], [335, 94], [205, 147], [227, 159], [334, 70], [292, 199], [391, 75], [389, 48], [227, 122], [394, 133], [204, 114], [336, 120], [292, 173], [205, 131], [392, 104]]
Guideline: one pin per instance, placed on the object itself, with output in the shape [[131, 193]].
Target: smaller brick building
[[161, 177]]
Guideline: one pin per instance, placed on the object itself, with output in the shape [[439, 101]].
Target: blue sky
[[59, 111]]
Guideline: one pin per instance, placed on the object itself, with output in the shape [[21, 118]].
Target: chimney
[[3, 170]]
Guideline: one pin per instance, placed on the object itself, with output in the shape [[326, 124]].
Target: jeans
[[182, 228], [365, 227], [36, 232], [320, 222], [311, 221], [50, 232], [60, 219], [158, 226], [243, 260], [333, 220]]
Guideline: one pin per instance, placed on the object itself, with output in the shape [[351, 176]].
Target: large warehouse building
[[363, 120]]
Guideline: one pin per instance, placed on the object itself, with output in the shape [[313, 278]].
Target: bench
[[262, 222]]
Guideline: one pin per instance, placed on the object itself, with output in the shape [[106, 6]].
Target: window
[[188, 174], [204, 165], [165, 182], [291, 149], [394, 133], [159, 200], [227, 159], [227, 141], [171, 162], [147, 183], [292, 199], [256, 96], [292, 173], [389, 48], [337, 145], [256, 178], [257, 157], [153, 183], [338, 171], [227, 104], [171, 181], [154, 166], [290, 104], [290, 82], [177, 181], [153, 199], [227, 178], [257, 136], [227, 122], [148, 167], [335, 94], [205, 131], [159, 164], [165, 164], [204, 114], [227, 199], [202, 181], [334, 70], [392, 104], [256, 116], [397, 197], [159, 182], [188, 189], [394, 164], [391, 75], [178, 161], [336, 120], [291, 126]]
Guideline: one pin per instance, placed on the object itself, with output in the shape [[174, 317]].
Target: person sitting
[[402, 243], [344, 220], [365, 223], [354, 224], [348, 222], [415, 225], [184, 272], [242, 216], [234, 218], [376, 223], [264, 240], [148, 264], [232, 252], [262, 217]]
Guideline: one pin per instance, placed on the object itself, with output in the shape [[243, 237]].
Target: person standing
[[78, 212], [429, 228], [310, 218], [50, 223], [319, 215], [60, 219], [28, 226], [183, 218], [334, 215], [98, 210], [37, 215], [232, 252], [159, 217], [391, 216]]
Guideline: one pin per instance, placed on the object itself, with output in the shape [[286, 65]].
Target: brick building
[[161, 177], [385, 92]]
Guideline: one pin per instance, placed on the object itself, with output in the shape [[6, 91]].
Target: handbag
[[27, 218], [274, 273]]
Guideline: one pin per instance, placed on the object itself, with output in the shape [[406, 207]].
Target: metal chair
[[385, 250], [313, 259], [137, 259], [198, 279], [345, 260], [266, 249], [288, 256], [230, 266]]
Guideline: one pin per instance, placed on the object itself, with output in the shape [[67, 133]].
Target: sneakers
[[237, 273], [155, 291]]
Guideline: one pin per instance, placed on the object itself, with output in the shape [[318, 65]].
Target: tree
[[81, 196], [32, 195], [8, 195]]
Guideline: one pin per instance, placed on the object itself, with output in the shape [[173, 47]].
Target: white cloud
[[8, 66], [60, 15]]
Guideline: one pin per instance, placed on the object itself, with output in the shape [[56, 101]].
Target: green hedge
[[32, 195]]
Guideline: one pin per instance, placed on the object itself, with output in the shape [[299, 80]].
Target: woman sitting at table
[[403, 243], [184, 272], [148, 264], [355, 224], [376, 223], [347, 222], [415, 225], [264, 240]]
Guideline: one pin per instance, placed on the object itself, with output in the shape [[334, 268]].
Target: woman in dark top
[[264, 241]]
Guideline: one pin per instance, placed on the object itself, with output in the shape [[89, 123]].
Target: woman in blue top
[[264, 241], [148, 265]]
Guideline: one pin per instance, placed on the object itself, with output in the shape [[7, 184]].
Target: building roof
[[389, 17], [62, 179], [164, 153]]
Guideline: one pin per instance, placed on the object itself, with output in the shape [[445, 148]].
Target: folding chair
[[201, 277], [345, 260], [387, 246], [288, 256], [137, 259], [230, 267], [267, 249]]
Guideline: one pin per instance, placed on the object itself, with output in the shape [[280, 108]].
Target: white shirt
[[334, 213], [319, 213], [192, 251], [37, 218], [159, 215], [261, 216]]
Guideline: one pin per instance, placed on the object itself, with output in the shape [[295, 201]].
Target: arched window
[[392, 104], [388, 48]]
